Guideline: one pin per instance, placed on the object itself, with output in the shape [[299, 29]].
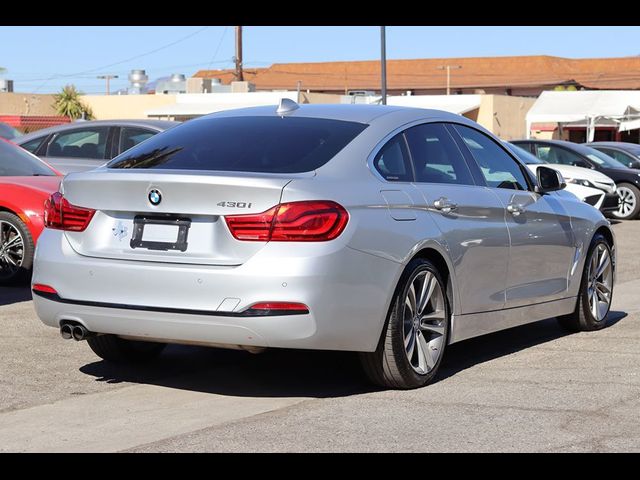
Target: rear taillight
[[59, 214], [274, 308], [308, 221]]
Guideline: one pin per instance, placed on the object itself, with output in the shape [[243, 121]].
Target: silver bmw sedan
[[389, 231]]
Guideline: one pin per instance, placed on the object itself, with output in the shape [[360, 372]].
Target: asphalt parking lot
[[532, 388]]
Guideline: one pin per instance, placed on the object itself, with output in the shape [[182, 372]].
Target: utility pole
[[107, 78], [238, 58], [448, 69], [383, 64]]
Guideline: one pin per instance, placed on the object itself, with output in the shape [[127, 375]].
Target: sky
[[44, 59]]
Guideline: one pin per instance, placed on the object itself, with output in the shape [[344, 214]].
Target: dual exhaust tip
[[77, 332]]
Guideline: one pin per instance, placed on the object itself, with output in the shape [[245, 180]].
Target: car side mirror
[[549, 180]]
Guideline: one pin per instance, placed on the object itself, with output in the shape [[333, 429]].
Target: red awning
[[544, 127]]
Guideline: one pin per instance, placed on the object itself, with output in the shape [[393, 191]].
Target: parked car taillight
[[59, 214], [307, 221]]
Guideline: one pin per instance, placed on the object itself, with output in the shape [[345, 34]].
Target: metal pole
[[108, 79], [239, 75], [383, 65], [448, 79]]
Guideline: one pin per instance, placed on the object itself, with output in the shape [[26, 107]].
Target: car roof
[[620, 145], [360, 113], [159, 125], [579, 147]]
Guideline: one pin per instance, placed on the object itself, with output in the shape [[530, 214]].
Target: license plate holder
[[140, 221]]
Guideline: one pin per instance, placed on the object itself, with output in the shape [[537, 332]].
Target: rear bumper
[[610, 202], [347, 293]]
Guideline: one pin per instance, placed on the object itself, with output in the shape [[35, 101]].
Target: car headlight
[[580, 181]]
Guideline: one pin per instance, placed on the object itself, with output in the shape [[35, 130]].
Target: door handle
[[515, 209], [445, 205]]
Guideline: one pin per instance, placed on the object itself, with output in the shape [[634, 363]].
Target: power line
[[135, 57], [215, 54]]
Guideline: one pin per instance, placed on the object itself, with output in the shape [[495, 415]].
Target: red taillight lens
[[59, 214], [308, 221], [40, 287], [280, 306]]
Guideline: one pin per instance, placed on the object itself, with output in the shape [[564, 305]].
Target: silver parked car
[[81, 145], [384, 230]]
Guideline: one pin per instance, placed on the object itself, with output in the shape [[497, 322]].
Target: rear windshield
[[243, 144], [16, 162]]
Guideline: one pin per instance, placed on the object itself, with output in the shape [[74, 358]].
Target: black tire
[[23, 273], [633, 213], [582, 319], [389, 366], [115, 349]]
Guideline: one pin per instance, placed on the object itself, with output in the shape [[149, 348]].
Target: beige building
[[111, 107]]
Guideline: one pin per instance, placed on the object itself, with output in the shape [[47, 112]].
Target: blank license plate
[[160, 233]]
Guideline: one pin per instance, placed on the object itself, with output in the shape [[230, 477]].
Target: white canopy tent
[[591, 108]]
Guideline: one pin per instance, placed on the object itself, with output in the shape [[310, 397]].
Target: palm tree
[[68, 104]]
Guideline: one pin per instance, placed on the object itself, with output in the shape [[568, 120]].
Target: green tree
[[68, 104]]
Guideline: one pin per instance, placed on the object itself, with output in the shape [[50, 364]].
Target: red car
[[25, 183]]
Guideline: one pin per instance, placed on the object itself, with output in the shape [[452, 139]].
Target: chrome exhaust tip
[[79, 333], [66, 331]]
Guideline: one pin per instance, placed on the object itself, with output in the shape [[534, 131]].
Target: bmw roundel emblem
[[155, 197]]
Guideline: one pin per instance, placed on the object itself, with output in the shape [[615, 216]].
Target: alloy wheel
[[424, 322], [600, 282], [627, 202], [11, 250]]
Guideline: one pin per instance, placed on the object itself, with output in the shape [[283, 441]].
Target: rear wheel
[[16, 249], [414, 338], [117, 350], [629, 206], [596, 290]]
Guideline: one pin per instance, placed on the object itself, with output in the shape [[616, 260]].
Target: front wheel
[[413, 341], [629, 206], [596, 290]]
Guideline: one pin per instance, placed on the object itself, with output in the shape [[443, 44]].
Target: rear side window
[[392, 161], [33, 145], [436, 158], [81, 143], [15, 162], [243, 144]]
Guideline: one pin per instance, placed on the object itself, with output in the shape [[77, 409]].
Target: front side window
[[436, 157], [243, 144], [132, 136], [80, 143], [498, 168], [392, 161], [557, 155]]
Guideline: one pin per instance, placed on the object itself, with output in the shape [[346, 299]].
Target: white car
[[590, 186]]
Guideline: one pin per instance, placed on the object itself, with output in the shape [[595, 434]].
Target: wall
[[505, 115], [313, 97], [26, 104], [108, 107]]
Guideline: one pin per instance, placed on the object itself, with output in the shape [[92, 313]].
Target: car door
[[470, 217], [78, 149], [543, 246]]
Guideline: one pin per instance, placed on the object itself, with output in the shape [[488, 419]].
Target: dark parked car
[[626, 153], [568, 153], [84, 145]]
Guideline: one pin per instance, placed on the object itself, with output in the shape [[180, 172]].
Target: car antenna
[[286, 106]]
